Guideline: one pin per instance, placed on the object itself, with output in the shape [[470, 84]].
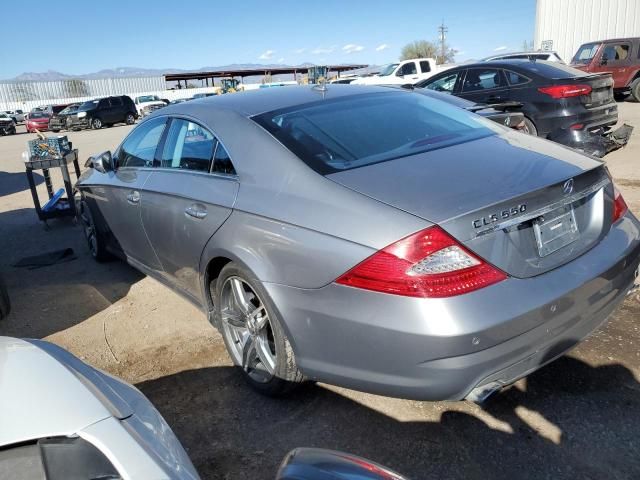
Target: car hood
[[41, 396], [446, 183]]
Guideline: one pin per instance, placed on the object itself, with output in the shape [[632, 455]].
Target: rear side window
[[424, 66], [408, 69], [116, 102], [515, 78], [478, 79], [615, 52], [189, 146], [221, 161], [140, 146], [358, 130]]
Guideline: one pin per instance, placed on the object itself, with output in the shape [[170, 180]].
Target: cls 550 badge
[[498, 216]]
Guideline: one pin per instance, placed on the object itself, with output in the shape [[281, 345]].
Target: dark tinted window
[[615, 52], [424, 66], [38, 115], [116, 102], [222, 162], [140, 146], [189, 147], [478, 79], [408, 69], [515, 78], [91, 104], [358, 130], [443, 84], [104, 103]]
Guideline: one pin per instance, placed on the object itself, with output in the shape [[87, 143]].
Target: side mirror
[[102, 162], [317, 463]]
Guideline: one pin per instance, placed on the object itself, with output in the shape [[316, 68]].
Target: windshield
[[359, 130], [4, 116], [585, 53], [69, 109], [148, 98], [388, 69], [37, 115], [88, 105]]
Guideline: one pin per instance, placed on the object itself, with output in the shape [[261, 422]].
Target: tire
[[635, 89], [529, 127], [238, 294], [95, 239], [130, 119], [96, 123]]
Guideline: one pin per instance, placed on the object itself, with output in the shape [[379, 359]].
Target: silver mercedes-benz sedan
[[368, 237]]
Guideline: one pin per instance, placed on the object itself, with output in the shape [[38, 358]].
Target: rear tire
[[620, 97], [96, 123], [529, 127], [248, 343], [635, 89], [130, 119]]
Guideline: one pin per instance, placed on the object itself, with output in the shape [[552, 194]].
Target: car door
[[188, 196], [614, 58], [484, 85], [116, 110], [121, 193]]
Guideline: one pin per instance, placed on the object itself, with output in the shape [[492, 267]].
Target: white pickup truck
[[407, 71]]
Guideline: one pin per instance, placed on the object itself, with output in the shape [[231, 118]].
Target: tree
[[426, 49]]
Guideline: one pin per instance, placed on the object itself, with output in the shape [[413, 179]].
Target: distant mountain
[[123, 72]]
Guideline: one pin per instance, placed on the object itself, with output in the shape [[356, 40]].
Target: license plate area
[[555, 230]]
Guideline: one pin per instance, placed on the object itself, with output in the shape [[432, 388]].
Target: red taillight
[[429, 263], [566, 91], [619, 205]]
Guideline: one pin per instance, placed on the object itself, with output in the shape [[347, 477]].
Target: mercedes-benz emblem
[[567, 187]]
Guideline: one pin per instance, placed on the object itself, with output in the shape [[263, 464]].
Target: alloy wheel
[[130, 119], [97, 123], [247, 329]]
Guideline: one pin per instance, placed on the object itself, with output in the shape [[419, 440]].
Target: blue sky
[[93, 35]]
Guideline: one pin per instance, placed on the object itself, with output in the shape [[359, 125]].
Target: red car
[[37, 120]]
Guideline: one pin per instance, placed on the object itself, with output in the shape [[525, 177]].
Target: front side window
[[408, 69], [189, 146], [388, 69], [116, 102], [444, 84], [615, 52], [139, 148], [358, 130], [482, 79]]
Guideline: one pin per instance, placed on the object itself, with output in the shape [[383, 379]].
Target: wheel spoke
[[248, 352], [240, 296], [259, 315], [233, 319], [264, 354]]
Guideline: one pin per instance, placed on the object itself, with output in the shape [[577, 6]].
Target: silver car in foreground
[[368, 237], [62, 419]]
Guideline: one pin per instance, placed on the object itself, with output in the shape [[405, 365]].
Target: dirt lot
[[577, 418]]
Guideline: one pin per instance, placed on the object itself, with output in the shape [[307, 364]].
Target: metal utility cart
[[64, 207]]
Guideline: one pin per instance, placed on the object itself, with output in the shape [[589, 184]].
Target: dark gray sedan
[[368, 237]]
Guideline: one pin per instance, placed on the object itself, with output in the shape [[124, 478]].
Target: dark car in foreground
[[368, 237], [62, 120], [103, 112], [559, 102]]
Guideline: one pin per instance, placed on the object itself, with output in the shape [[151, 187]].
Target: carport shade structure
[[186, 76]]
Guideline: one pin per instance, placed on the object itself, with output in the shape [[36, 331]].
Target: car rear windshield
[[358, 130], [554, 70]]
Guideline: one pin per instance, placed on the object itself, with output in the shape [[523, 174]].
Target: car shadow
[[573, 421], [53, 298], [15, 182]]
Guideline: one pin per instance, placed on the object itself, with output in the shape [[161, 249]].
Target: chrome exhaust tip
[[479, 395]]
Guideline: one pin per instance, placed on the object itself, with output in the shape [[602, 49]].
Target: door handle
[[196, 211], [133, 197]]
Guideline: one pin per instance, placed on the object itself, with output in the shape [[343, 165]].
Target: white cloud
[[300, 50], [381, 47], [323, 50], [352, 48], [268, 55], [281, 60], [499, 49]]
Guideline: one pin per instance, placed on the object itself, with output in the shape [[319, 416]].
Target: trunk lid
[[601, 90], [489, 193]]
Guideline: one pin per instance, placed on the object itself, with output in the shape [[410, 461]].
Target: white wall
[[570, 23]]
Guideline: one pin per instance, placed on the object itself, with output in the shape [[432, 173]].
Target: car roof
[[607, 40], [254, 102], [542, 68]]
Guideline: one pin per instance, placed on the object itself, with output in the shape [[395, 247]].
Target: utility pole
[[442, 30]]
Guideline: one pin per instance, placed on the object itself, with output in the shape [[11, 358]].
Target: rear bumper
[[559, 121], [436, 349]]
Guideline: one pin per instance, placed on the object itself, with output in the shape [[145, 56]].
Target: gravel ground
[[578, 417]]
